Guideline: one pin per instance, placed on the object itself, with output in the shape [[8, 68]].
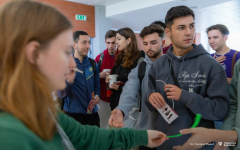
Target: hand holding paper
[[156, 100], [92, 103]]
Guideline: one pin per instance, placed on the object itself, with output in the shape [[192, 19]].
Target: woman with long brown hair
[[128, 58], [35, 57]]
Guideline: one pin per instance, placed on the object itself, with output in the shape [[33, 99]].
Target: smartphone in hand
[[119, 83]]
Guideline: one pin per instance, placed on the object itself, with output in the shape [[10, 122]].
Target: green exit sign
[[81, 17]]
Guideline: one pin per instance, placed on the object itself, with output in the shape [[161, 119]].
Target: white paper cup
[[107, 70], [113, 78]]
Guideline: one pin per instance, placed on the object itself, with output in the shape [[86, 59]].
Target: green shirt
[[14, 135], [232, 121]]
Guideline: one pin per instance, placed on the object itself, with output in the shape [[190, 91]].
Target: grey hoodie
[[146, 119], [204, 91]]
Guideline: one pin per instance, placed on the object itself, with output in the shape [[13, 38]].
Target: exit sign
[[81, 17]]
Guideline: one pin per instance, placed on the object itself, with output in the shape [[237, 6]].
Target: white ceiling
[[97, 2], [227, 13], [208, 12]]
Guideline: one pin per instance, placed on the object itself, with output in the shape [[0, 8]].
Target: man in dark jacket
[[82, 87], [195, 83]]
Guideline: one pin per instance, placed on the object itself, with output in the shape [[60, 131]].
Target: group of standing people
[[184, 78], [177, 79], [36, 47]]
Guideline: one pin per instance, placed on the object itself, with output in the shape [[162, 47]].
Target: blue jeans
[[218, 124]]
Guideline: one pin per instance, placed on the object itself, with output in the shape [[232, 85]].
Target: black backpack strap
[[93, 64], [141, 71], [142, 53], [173, 75], [141, 75], [100, 60]]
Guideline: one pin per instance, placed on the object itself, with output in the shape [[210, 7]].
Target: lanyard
[[65, 140]]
